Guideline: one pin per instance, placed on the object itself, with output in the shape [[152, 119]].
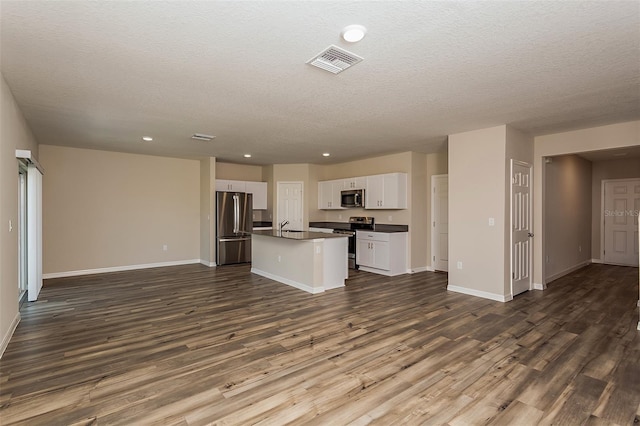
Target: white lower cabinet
[[382, 252]]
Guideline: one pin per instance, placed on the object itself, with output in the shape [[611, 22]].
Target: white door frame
[[277, 201], [434, 239], [34, 223], [530, 260], [602, 185]]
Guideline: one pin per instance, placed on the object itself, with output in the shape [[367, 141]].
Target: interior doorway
[[619, 232], [440, 222], [521, 230], [290, 205], [23, 264]]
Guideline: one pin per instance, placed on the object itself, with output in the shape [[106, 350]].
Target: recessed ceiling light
[[326, 154], [147, 138], [247, 156], [353, 33]]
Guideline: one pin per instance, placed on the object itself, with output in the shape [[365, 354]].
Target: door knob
[[530, 235]]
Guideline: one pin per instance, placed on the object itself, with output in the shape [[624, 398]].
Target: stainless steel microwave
[[352, 198]]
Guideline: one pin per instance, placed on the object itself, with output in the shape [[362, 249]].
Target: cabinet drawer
[[372, 236]]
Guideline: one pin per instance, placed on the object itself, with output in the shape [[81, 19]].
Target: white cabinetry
[[355, 183], [381, 252], [259, 191], [388, 191], [329, 195], [230, 185]]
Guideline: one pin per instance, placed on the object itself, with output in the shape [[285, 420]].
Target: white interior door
[[290, 205], [521, 229], [440, 222], [620, 224]]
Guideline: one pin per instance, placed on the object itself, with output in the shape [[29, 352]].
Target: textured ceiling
[[103, 74]]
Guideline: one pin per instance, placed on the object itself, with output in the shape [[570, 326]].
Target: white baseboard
[[287, 281], [538, 286], [209, 264], [480, 293], [7, 337], [118, 269], [418, 269], [431, 269], [567, 271], [596, 260]]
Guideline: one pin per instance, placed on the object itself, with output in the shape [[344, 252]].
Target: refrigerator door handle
[[235, 213]]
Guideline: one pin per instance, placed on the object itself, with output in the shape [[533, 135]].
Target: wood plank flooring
[[190, 345]]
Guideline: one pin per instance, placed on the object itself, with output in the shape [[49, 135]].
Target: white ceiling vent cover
[[334, 59]]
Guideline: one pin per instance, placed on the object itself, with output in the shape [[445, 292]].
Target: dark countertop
[[262, 224], [379, 227], [330, 225], [297, 235]]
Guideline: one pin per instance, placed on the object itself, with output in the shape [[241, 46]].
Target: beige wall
[[592, 139], [207, 211], [602, 170], [477, 193], [567, 214], [107, 209], [14, 134], [231, 171], [267, 176]]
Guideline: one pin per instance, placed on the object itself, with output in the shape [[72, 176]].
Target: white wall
[[14, 134]]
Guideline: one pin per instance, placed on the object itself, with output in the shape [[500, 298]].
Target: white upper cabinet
[[259, 191], [230, 185], [355, 183], [329, 195], [388, 191]]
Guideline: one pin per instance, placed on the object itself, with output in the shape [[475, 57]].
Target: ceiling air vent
[[202, 137], [334, 59]]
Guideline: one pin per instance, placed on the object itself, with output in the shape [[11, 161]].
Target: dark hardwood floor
[[193, 345]]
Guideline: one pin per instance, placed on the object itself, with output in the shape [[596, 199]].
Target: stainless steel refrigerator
[[234, 223]]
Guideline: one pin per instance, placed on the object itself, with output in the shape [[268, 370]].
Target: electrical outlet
[[459, 265], [580, 249], [339, 216], [390, 218], [165, 247]]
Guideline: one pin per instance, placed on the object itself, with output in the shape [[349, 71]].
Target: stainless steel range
[[355, 223]]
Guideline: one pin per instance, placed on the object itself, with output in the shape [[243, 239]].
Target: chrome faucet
[[283, 224]]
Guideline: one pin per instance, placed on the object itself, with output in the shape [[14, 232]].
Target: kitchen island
[[310, 261]]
